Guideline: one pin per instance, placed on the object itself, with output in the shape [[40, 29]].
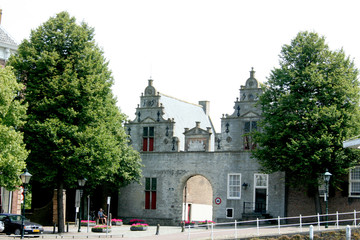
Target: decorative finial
[[150, 82], [252, 73]]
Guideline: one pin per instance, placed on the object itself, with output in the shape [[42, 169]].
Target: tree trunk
[[60, 208]]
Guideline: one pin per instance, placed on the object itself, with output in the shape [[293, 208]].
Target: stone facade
[[177, 141]]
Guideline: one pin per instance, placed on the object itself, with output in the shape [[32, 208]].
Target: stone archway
[[197, 199]]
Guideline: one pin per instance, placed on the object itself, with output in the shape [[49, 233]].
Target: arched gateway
[[197, 199], [178, 144]]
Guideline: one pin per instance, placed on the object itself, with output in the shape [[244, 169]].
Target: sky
[[194, 50]]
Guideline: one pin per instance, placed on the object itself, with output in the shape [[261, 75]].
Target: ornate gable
[[197, 139]]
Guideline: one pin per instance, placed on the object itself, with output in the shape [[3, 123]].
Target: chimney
[[206, 106], [0, 15]]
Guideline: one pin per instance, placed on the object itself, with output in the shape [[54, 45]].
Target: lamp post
[[327, 176], [25, 179], [81, 183]]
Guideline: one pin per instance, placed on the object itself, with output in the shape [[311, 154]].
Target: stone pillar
[[16, 202], [55, 204]]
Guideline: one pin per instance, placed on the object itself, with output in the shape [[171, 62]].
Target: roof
[[6, 39], [185, 116], [352, 143]]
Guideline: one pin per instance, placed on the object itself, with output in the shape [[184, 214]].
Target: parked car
[[2, 226], [12, 224]]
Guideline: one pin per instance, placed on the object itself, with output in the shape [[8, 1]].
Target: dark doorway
[[260, 200]]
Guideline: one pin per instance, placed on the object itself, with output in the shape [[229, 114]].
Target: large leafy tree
[[12, 114], [310, 106], [74, 128]]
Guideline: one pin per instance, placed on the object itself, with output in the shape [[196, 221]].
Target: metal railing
[[275, 226], [254, 207]]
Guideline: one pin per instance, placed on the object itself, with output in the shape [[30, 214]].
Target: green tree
[[74, 128], [310, 106], [12, 114]]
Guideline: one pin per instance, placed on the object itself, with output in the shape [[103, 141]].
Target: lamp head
[[327, 176], [25, 177], [82, 182]]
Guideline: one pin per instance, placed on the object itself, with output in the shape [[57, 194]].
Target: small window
[[234, 186], [354, 182], [261, 180], [150, 193], [249, 126], [148, 139], [229, 213]]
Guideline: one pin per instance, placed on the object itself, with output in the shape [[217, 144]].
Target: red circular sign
[[217, 200]]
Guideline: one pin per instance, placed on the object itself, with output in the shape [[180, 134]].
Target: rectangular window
[[229, 213], [354, 182], [261, 180], [234, 186], [249, 126], [150, 193], [148, 139]]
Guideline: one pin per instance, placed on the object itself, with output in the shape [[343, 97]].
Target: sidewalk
[[168, 233]]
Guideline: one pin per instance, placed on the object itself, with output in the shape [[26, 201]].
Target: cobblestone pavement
[[166, 233]]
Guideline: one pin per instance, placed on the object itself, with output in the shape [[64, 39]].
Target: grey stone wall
[[172, 170]]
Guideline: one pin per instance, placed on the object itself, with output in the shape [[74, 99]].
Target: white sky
[[193, 49]]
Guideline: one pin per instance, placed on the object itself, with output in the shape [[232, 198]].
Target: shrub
[[116, 220], [101, 227], [206, 222], [139, 225]]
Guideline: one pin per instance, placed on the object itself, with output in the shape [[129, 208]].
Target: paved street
[[167, 233]]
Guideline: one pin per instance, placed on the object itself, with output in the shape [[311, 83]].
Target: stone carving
[[196, 145]]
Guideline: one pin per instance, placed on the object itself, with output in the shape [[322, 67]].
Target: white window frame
[[228, 186], [232, 213], [353, 181], [261, 187]]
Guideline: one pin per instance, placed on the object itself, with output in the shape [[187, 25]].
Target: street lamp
[[81, 183], [327, 176], [25, 179]]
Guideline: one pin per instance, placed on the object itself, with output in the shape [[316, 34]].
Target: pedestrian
[[101, 216]]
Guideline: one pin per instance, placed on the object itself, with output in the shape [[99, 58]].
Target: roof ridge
[[9, 39], [163, 94]]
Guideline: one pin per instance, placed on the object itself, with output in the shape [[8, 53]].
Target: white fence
[[276, 226]]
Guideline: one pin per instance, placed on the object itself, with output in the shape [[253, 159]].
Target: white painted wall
[[199, 212]]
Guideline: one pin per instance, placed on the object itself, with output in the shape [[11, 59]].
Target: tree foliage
[[310, 106], [74, 128], [12, 114]]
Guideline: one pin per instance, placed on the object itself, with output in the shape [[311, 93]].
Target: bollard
[[157, 229], [67, 227], [207, 226], [182, 224], [348, 232], [311, 232], [54, 228]]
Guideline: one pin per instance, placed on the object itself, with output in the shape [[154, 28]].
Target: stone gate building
[[193, 173]]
